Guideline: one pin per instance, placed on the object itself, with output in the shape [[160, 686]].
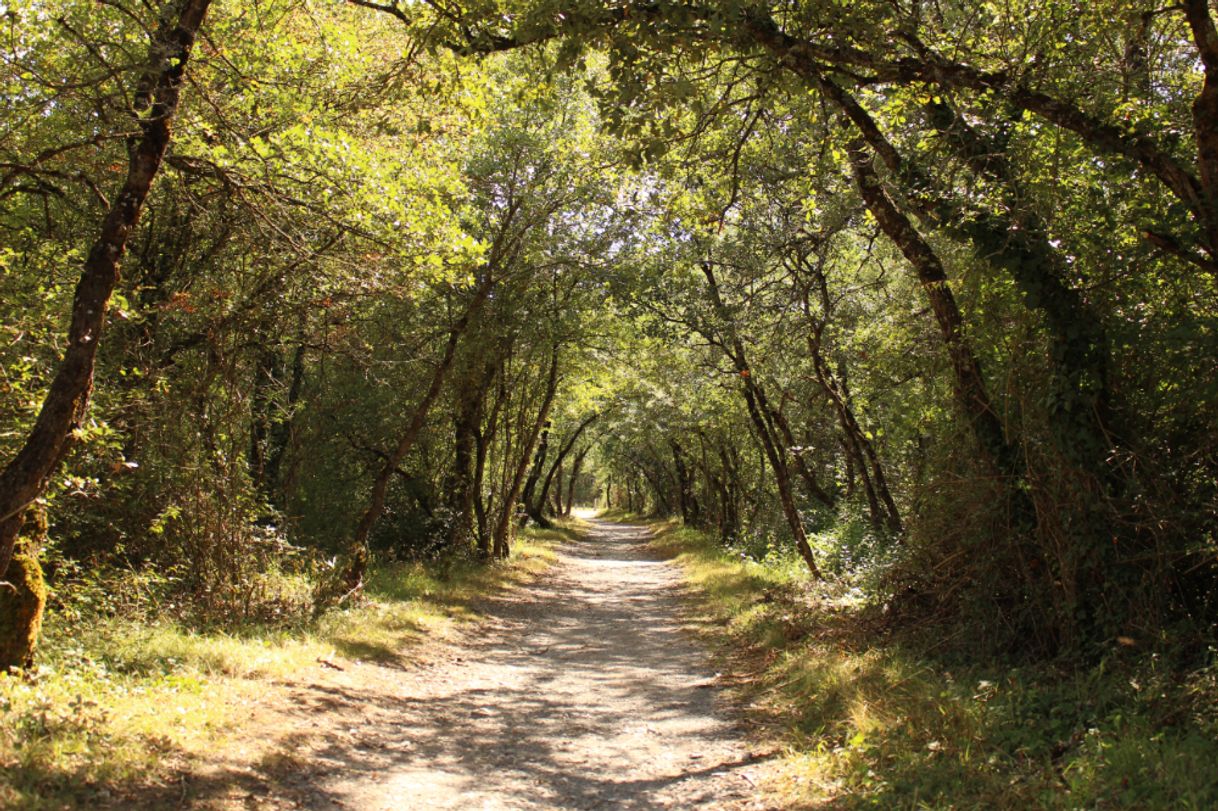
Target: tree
[[24, 478]]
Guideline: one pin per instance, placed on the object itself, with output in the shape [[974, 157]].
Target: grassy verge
[[621, 515], [869, 722], [115, 703]]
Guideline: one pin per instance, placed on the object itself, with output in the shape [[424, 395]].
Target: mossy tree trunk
[[24, 478], [23, 597]]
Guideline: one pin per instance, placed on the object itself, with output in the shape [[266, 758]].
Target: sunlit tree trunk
[[156, 98], [503, 529]]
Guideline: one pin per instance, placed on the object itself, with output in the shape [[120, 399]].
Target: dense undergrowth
[[875, 718], [119, 702]]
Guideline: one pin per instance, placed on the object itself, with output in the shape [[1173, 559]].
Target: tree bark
[[460, 484], [1080, 407], [503, 529], [532, 510], [663, 505], [970, 389], [730, 459], [774, 452], [860, 453], [482, 446], [553, 500], [537, 505], [357, 553], [1205, 111], [787, 436], [685, 485], [23, 595], [156, 99], [576, 466], [1020, 246]]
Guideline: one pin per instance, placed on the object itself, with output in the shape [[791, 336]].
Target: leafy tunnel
[[920, 295]]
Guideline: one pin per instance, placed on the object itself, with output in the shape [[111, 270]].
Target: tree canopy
[[920, 292]]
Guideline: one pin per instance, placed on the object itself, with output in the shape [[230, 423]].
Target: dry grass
[[116, 703], [871, 722]]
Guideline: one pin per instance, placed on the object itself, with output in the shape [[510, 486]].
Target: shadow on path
[[582, 691]]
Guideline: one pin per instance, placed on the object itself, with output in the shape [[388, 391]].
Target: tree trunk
[[663, 506], [23, 596], [503, 529], [483, 440], [1205, 113], [553, 501], [575, 469], [357, 555], [459, 484], [531, 509], [156, 97], [860, 454], [731, 491], [690, 509], [970, 390], [779, 421], [1079, 405], [538, 504], [774, 452]]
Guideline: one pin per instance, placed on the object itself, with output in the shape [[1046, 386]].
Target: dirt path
[[581, 692]]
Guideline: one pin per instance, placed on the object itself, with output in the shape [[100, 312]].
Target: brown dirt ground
[[583, 690]]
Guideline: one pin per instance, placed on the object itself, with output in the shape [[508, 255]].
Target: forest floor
[[580, 691], [580, 675]]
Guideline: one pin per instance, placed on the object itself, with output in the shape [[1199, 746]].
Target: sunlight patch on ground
[[115, 707]]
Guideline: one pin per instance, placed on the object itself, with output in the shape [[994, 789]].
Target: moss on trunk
[[23, 597]]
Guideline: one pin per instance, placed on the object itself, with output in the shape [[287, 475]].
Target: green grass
[[115, 702], [869, 722], [620, 514]]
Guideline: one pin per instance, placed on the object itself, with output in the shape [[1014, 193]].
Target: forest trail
[[580, 691]]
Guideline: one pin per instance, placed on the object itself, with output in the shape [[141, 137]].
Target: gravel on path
[[582, 690]]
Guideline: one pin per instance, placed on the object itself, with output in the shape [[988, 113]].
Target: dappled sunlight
[[121, 701], [874, 723], [589, 673], [398, 400]]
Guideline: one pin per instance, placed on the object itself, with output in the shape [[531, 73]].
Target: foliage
[[921, 295], [895, 724]]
